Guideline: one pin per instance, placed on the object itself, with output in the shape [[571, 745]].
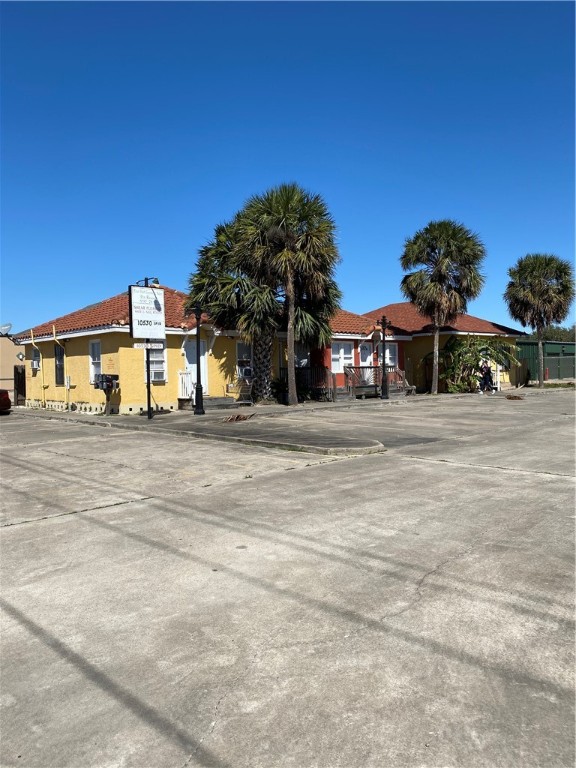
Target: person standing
[[486, 381]]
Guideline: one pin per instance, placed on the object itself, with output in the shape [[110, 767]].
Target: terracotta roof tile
[[113, 312], [348, 322], [404, 316]]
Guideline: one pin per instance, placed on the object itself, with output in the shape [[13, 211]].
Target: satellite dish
[[5, 329]]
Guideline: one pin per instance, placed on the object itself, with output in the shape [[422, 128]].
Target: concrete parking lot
[[183, 594]]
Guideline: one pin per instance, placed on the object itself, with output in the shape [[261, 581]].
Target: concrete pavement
[[343, 428], [172, 600]]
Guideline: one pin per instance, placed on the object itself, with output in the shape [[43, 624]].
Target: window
[[391, 353], [35, 359], [342, 354], [243, 359], [59, 365], [157, 364], [95, 363]]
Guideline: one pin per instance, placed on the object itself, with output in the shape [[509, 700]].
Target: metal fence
[[555, 368], [314, 382]]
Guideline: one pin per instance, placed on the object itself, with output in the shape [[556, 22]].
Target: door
[[190, 350], [366, 354], [19, 385]]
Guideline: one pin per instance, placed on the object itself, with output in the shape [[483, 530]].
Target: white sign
[[148, 345], [147, 319]]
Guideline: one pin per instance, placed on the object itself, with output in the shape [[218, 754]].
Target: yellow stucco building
[[65, 357]]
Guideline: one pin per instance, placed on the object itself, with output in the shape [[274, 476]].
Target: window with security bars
[[59, 365], [157, 364]]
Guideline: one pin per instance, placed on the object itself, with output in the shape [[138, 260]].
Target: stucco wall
[[118, 356], [8, 359]]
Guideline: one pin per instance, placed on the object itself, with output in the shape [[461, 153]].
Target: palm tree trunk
[[262, 349], [292, 391], [540, 359], [434, 389]]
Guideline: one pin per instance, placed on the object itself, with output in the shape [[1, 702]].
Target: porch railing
[[367, 380], [313, 381]]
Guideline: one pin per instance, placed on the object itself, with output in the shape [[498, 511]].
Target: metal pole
[[384, 389], [198, 395], [148, 387], [148, 393]]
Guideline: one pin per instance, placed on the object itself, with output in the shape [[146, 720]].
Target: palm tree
[[287, 236], [447, 259], [540, 292], [271, 268], [236, 299]]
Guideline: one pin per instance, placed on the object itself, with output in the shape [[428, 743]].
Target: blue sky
[[129, 130]]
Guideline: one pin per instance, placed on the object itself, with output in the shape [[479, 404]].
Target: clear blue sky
[[129, 130]]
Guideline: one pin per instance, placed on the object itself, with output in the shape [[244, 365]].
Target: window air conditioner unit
[[245, 372], [158, 376], [35, 365]]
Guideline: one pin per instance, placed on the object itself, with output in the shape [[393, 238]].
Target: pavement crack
[[76, 512], [216, 710], [418, 596], [491, 467], [87, 458]]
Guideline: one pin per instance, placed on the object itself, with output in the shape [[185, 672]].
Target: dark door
[[19, 385]]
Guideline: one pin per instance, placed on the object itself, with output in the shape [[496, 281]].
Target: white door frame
[[190, 361]]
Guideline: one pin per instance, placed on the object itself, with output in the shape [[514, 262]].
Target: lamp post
[[198, 395], [385, 323], [148, 282]]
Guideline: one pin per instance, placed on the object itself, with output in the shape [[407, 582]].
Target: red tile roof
[[114, 312], [405, 317], [348, 322]]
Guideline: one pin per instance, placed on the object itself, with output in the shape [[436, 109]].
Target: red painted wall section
[[321, 356]]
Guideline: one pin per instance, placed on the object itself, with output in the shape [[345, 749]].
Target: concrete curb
[[365, 450]]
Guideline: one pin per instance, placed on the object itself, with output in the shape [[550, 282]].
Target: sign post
[[147, 320]]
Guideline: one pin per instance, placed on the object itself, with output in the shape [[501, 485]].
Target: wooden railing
[[367, 381]]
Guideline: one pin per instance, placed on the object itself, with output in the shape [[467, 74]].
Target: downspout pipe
[[41, 366], [67, 400]]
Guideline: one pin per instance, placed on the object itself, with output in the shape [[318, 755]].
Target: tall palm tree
[[269, 269], [447, 258], [540, 292], [287, 236], [234, 298]]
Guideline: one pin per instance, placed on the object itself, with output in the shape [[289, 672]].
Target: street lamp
[[148, 282], [384, 323], [198, 396]]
